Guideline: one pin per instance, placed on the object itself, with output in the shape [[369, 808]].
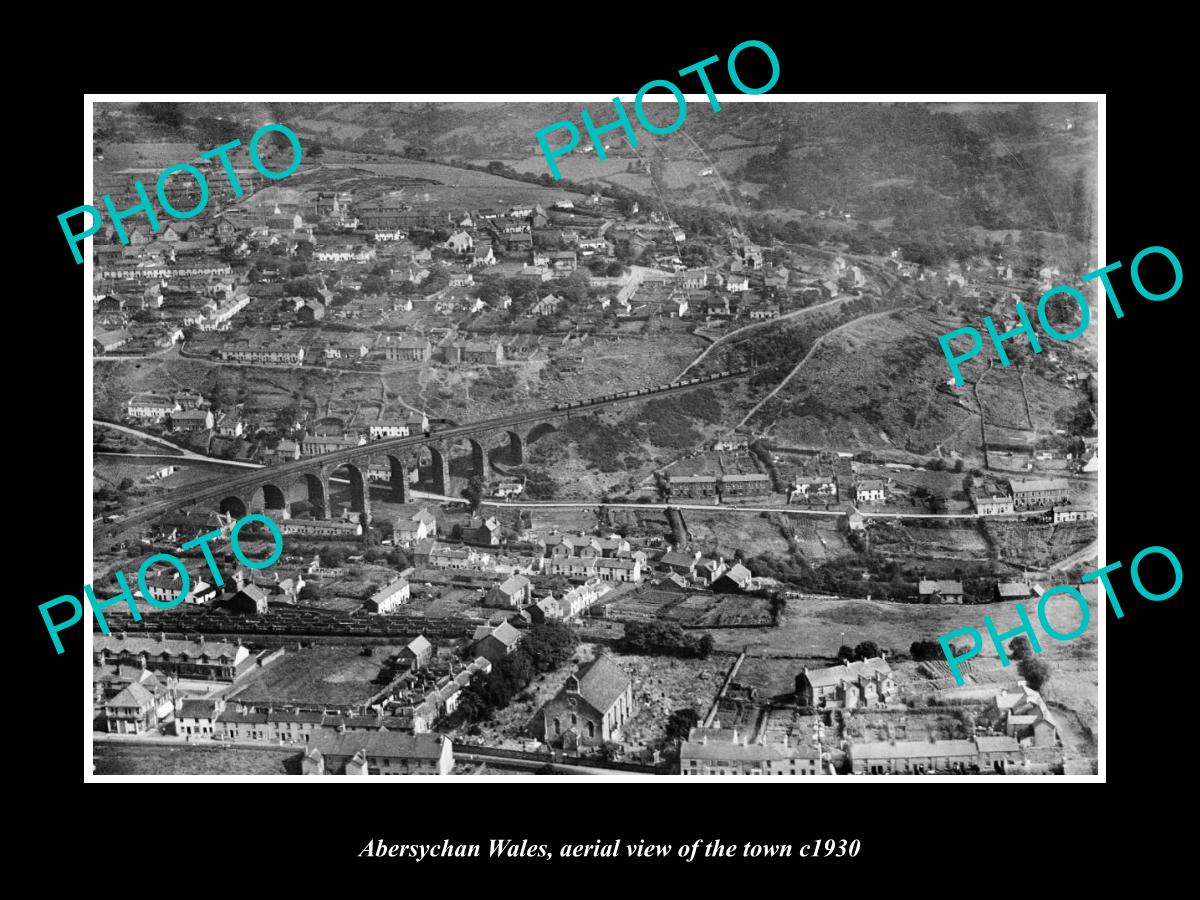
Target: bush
[[1020, 649], [1035, 671], [925, 650]]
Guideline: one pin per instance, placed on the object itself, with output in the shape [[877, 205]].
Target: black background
[[1150, 405]]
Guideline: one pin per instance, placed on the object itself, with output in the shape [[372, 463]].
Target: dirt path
[[792, 315], [807, 356]]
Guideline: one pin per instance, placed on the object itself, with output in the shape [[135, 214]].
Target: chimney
[[785, 740], [162, 637], [121, 636]]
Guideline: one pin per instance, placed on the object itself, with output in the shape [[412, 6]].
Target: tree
[[474, 491], [925, 650], [704, 646], [866, 650], [681, 722], [1036, 671], [550, 645], [126, 484], [169, 114], [845, 652], [1020, 649]]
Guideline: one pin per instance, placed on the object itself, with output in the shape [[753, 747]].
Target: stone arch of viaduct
[[277, 491]]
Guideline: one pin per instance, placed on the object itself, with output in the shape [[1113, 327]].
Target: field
[[331, 674], [113, 758], [722, 534], [817, 628], [872, 385]]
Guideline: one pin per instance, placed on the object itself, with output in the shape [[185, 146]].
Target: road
[[807, 356], [182, 451], [1091, 551], [717, 507], [232, 485], [792, 315]]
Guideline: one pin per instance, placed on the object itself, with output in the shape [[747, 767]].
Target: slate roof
[[197, 709], [601, 682], [939, 587], [913, 749], [848, 672], [133, 695], [156, 647], [1013, 589], [1039, 484]]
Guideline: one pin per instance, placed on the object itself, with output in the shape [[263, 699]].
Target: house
[[378, 753], [573, 566], [417, 527], [496, 642], [483, 531], [388, 598], [547, 306], [930, 591], [107, 341], [1039, 493], [198, 718], [385, 428], [334, 528], [108, 681], [867, 682], [137, 709], [576, 601], [192, 420], [248, 600], [591, 706], [871, 490], [993, 754], [319, 444], [736, 578], [1022, 714], [994, 505], [680, 563], [150, 407], [417, 349], [619, 569], [1061, 514], [692, 486], [476, 352], [194, 659], [1012, 590], [460, 242], [709, 570], [164, 585], [545, 610], [483, 255], [814, 488], [513, 593], [229, 425], [418, 652], [753, 485], [719, 751], [247, 351]]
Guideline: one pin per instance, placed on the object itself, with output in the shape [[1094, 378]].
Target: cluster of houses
[[719, 487]]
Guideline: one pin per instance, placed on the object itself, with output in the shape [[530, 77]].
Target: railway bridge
[[272, 490]]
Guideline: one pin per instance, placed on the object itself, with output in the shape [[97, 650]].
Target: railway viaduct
[[273, 489]]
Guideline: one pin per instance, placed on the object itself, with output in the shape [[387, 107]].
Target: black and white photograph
[[478, 438]]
